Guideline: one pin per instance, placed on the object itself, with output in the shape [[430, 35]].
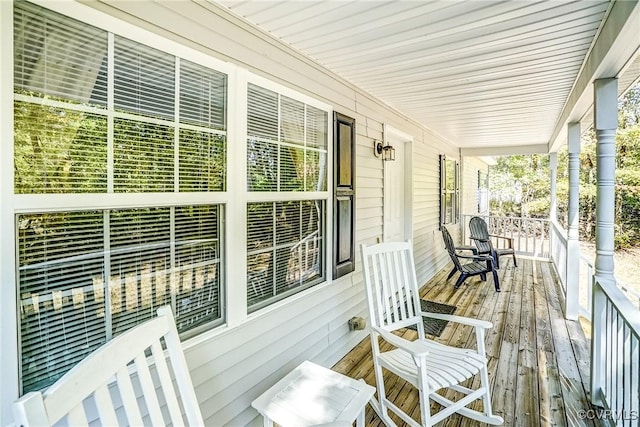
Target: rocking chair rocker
[[394, 303]]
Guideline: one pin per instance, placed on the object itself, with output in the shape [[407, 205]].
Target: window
[[101, 114], [344, 136], [287, 184], [449, 191], [483, 192]]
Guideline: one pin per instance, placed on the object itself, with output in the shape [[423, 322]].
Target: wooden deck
[[538, 361]]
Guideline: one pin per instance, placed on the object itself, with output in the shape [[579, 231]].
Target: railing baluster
[[627, 391], [615, 358], [635, 376]]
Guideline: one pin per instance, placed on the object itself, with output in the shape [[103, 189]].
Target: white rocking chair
[[107, 374], [394, 303]]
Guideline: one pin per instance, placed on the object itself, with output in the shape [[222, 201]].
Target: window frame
[[110, 200], [233, 200], [284, 196], [452, 193], [483, 191]]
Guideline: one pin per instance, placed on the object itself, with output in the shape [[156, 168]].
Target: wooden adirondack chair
[[480, 235], [479, 265], [116, 369], [394, 303]]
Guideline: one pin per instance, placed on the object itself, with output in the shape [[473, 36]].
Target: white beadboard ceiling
[[480, 73]]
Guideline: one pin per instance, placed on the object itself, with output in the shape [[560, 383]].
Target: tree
[[519, 185]]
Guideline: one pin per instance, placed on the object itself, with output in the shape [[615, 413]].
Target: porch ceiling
[[487, 75]]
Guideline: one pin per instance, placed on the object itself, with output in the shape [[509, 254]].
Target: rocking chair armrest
[[477, 323], [414, 348]]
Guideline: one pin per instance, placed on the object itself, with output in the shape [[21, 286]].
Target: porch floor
[[538, 361]]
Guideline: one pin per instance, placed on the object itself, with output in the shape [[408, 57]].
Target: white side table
[[311, 395]]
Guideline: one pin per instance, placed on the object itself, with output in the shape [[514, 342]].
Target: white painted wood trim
[[606, 123], [395, 135], [609, 55], [572, 298], [8, 316], [505, 151], [236, 207]]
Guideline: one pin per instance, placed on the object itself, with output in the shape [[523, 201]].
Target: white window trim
[[263, 196], [8, 316]]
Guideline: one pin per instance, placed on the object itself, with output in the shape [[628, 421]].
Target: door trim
[[393, 135]]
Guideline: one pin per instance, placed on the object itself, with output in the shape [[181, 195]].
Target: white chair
[[394, 303], [112, 379]]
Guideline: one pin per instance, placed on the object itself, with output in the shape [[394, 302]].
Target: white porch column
[[606, 123], [553, 202], [553, 165], [572, 302]]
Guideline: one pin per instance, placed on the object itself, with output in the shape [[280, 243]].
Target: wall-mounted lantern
[[387, 152]]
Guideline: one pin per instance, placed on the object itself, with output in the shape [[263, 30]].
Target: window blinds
[[62, 123], [287, 143], [87, 275], [286, 152], [285, 249]]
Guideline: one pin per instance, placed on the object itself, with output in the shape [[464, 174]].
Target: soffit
[[480, 73]]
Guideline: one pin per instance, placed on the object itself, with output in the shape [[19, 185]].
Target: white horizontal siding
[[232, 367]]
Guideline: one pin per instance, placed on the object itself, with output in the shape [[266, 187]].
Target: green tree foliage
[[520, 184]]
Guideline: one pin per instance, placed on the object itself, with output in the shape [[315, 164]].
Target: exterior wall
[[231, 366]]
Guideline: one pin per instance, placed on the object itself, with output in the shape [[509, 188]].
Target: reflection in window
[[285, 251], [293, 158]]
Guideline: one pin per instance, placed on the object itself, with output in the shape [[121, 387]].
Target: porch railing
[[530, 235], [615, 374], [587, 271], [615, 319], [558, 253]]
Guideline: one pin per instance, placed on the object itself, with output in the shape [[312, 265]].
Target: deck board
[[538, 361]]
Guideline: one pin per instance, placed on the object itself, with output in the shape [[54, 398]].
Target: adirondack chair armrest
[[477, 323], [414, 348], [508, 239], [476, 257], [479, 239]]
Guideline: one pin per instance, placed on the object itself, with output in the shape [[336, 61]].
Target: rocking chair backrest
[[478, 230], [106, 380], [451, 248], [390, 281]]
